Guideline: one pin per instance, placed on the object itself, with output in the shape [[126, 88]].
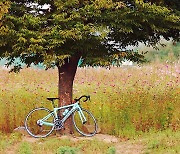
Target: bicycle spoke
[[36, 128]]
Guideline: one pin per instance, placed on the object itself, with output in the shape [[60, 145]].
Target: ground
[[125, 147], [156, 143]]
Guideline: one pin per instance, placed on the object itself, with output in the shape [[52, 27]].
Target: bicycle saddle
[[51, 99]]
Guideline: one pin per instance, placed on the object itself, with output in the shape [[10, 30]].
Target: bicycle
[[40, 122]]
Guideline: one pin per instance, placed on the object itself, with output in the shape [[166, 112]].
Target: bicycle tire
[[32, 127], [90, 128]]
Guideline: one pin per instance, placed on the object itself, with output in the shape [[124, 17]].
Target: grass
[[25, 148], [56, 145], [166, 141], [163, 142], [8, 140], [126, 101], [84, 146]]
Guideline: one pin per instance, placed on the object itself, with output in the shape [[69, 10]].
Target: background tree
[[165, 54], [98, 31]]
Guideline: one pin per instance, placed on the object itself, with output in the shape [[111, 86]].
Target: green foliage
[[67, 150], [168, 53], [173, 4], [111, 150], [98, 30], [25, 148], [4, 5], [70, 145], [7, 141], [163, 142], [3, 142]]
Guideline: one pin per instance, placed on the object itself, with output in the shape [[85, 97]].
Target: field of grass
[[126, 101]]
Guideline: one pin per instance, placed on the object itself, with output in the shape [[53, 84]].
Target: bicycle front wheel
[[37, 129], [86, 125]]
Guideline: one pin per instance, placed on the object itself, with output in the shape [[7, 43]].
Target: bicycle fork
[[81, 115]]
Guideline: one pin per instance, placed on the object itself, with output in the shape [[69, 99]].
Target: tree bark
[[65, 87]]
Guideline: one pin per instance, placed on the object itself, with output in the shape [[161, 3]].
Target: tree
[[3, 8], [174, 4], [97, 31], [168, 53]]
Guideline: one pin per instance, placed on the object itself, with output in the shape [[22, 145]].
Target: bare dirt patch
[[122, 147]]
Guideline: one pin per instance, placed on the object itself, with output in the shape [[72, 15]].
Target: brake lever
[[85, 99], [89, 98]]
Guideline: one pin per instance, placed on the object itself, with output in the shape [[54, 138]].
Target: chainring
[[58, 124]]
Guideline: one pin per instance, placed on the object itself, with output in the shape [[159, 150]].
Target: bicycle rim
[[32, 126], [89, 128]]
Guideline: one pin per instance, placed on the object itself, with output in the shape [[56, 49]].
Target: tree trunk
[[66, 77]]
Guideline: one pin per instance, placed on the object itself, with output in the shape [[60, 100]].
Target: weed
[[163, 142], [111, 150], [25, 148], [67, 150]]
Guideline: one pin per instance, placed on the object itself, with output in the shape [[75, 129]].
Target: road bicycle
[[40, 122]]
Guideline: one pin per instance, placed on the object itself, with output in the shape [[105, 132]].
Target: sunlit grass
[[63, 146], [162, 142], [8, 140], [126, 101]]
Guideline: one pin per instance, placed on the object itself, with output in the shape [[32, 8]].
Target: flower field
[[126, 101]]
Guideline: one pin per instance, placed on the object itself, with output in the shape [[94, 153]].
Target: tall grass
[[126, 101]]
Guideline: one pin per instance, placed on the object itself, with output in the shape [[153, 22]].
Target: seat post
[[53, 103]]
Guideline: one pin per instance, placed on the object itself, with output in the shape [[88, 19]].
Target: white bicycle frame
[[74, 106]]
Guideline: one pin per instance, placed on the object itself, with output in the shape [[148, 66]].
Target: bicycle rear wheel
[[32, 125], [86, 128]]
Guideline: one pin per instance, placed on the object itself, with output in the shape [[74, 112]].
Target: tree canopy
[[98, 30]]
